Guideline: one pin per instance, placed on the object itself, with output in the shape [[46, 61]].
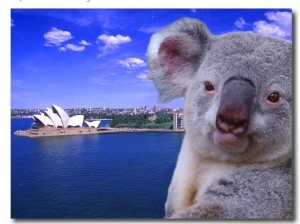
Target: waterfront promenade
[[47, 132]]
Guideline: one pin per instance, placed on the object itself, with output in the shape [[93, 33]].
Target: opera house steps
[[52, 131]]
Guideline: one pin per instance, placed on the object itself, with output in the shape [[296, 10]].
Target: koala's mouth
[[229, 142]]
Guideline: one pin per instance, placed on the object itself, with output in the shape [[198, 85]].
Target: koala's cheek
[[229, 142]]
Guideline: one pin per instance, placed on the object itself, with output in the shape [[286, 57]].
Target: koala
[[235, 161]]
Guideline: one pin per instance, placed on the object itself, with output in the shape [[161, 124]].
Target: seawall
[[51, 131]]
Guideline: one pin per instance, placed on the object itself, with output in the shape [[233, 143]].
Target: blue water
[[91, 176]]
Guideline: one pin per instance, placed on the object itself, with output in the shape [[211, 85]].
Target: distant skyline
[[97, 57]]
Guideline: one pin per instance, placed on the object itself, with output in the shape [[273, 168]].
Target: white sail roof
[[76, 120], [91, 124], [57, 117], [62, 114], [54, 117], [43, 119]]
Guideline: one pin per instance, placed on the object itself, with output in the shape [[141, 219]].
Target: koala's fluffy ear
[[174, 55]]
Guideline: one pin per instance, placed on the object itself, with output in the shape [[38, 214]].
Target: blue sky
[[97, 58]]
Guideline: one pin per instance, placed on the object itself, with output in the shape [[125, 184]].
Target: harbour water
[[115, 176]]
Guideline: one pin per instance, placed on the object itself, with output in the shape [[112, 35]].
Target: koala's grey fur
[[254, 181]]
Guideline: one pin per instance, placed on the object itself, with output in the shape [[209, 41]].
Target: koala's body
[[235, 161]]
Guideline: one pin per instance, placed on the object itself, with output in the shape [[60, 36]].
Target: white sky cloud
[[85, 43], [240, 23], [74, 47], [12, 22], [132, 63], [113, 41], [279, 24], [143, 77], [56, 37], [62, 49]]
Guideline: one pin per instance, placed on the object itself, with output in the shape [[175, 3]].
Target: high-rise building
[[178, 121]]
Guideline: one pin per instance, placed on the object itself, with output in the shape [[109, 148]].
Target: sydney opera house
[[55, 121], [58, 118]]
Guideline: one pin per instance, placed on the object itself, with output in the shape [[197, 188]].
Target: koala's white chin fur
[[229, 142]]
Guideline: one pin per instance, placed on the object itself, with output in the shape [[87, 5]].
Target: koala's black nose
[[235, 107]]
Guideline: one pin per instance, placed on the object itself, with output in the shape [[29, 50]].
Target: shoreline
[[50, 131]]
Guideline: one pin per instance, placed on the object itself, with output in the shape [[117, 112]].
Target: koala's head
[[237, 89]]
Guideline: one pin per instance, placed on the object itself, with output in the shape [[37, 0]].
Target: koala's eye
[[274, 97], [209, 86]]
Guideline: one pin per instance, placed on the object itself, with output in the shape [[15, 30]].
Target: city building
[[178, 121]]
